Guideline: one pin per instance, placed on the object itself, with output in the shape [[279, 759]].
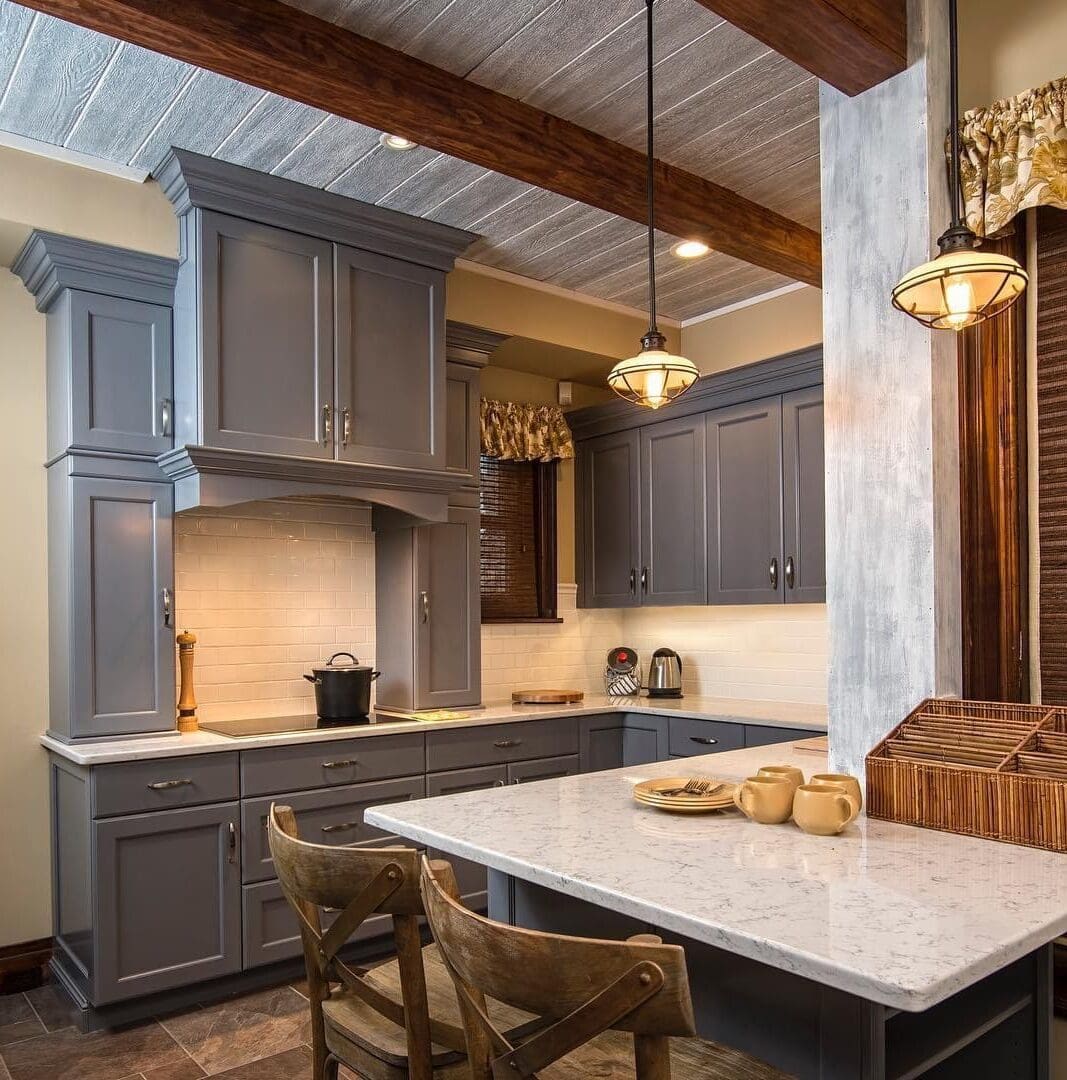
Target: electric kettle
[[665, 674]]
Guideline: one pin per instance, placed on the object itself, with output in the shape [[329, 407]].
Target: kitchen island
[[888, 951]]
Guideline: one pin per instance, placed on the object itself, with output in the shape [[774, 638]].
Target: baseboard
[[23, 965]]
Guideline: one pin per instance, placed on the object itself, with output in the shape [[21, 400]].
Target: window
[[518, 532]]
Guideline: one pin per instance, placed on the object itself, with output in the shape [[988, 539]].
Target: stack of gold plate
[[666, 794]]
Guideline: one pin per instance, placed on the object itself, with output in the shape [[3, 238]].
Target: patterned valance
[[516, 432], [1014, 156]]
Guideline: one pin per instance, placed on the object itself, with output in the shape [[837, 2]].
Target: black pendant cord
[[651, 187], [954, 94]]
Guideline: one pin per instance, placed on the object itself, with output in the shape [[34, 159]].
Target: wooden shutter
[[1052, 450], [509, 547]]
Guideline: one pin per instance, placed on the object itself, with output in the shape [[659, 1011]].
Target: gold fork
[[696, 785]]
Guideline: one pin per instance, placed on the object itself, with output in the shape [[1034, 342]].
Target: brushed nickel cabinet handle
[[165, 417], [233, 842], [168, 785], [773, 572], [343, 826], [424, 604], [327, 424], [499, 783], [507, 744], [704, 740], [633, 582], [790, 572], [343, 763], [644, 579], [346, 425], [167, 606]]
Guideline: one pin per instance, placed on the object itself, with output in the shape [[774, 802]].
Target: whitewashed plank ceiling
[[728, 108]]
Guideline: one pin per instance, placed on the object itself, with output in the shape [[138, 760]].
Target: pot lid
[[342, 668]]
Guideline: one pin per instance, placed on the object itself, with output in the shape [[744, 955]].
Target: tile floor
[[260, 1036]]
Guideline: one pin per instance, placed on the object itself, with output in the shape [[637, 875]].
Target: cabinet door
[[463, 426], [121, 372], [609, 520], [266, 338], [470, 876], [744, 444], [673, 516], [120, 637], [522, 772], [447, 612], [168, 900], [760, 735], [390, 326], [804, 497]]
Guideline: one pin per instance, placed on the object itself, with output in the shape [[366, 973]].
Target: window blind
[[509, 540]]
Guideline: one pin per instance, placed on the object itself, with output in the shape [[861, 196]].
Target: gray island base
[[886, 952]]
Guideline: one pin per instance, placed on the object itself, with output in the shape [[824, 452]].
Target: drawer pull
[[507, 744], [704, 740], [233, 843], [167, 785], [342, 826], [344, 763]]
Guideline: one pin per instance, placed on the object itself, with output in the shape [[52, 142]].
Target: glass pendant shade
[[960, 288], [654, 376]]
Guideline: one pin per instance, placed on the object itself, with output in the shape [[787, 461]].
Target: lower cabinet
[[760, 735], [521, 772], [619, 740], [690, 737], [167, 902]]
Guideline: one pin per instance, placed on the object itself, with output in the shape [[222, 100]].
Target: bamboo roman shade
[[509, 550]]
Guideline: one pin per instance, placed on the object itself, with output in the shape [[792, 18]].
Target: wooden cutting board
[[546, 697]]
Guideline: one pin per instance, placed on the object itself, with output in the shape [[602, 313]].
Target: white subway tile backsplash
[[270, 588]]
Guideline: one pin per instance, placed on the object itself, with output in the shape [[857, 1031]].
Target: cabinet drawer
[[501, 743], [759, 735], [524, 772], [272, 933], [688, 737], [452, 783], [323, 817], [132, 787], [331, 764]]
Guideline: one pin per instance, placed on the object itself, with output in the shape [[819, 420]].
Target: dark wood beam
[[851, 44], [286, 51]]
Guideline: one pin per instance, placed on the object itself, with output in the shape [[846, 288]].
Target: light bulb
[[959, 300], [655, 381]]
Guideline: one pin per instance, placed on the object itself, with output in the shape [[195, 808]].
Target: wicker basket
[[975, 767]]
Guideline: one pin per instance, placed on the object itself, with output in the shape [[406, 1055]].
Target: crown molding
[[750, 302], [72, 157], [473, 345]]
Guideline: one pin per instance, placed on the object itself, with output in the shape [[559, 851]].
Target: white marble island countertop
[[902, 916], [784, 714]]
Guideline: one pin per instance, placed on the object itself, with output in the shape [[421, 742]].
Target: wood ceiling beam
[[851, 44], [288, 52]]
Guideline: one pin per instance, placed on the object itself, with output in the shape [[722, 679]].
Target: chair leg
[[652, 1056], [329, 1068]]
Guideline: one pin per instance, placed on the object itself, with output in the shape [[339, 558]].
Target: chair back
[[351, 884], [578, 987]]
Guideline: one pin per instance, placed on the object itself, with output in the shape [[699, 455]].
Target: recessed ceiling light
[[690, 249], [396, 142]]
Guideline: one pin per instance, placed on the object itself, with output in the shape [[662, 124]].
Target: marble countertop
[[737, 710], [898, 915]]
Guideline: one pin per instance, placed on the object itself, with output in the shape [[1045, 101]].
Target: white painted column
[[892, 457]]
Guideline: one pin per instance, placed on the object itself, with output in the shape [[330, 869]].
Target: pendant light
[[961, 287], [654, 376]]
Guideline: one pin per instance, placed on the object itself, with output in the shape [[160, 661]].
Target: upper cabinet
[[722, 503], [307, 325]]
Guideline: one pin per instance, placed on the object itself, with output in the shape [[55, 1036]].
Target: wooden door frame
[[991, 361]]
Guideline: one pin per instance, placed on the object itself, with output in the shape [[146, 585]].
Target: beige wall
[[770, 328], [25, 912], [1008, 48]]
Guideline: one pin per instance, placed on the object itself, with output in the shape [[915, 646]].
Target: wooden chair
[[378, 1022], [606, 1009]]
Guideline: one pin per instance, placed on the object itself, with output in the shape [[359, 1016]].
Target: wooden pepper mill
[[186, 699]]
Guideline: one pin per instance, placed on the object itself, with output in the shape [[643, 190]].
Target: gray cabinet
[[744, 475], [462, 419], [167, 905], [673, 516], [691, 736], [110, 594], [390, 402], [764, 735], [803, 497], [430, 631], [524, 772], [618, 740], [256, 361], [609, 520]]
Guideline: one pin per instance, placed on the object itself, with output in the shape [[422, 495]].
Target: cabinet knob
[[327, 424], [773, 573], [790, 572]]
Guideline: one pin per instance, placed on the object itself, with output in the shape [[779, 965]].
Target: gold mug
[[823, 809], [849, 783], [786, 772], [766, 799]]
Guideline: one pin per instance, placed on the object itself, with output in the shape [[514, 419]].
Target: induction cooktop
[[280, 725]]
